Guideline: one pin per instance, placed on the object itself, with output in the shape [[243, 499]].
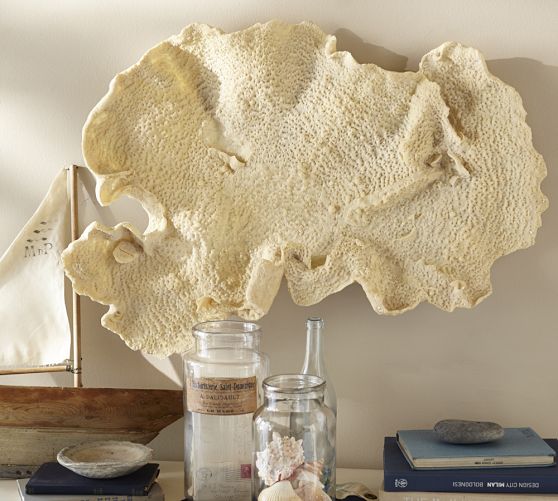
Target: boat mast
[[76, 305]]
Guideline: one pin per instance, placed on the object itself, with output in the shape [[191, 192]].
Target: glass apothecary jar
[[223, 377], [294, 440]]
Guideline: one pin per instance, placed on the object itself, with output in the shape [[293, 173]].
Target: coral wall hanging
[[265, 153]]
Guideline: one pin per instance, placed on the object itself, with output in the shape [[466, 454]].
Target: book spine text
[[424, 481]]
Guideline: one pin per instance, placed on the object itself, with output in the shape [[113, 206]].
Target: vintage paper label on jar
[[221, 396]]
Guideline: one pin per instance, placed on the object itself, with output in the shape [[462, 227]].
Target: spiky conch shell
[[312, 492], [280, 491], [280, 458], [307, 473], [306, 482]]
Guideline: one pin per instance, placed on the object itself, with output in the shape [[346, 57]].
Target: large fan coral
[[265, 153]]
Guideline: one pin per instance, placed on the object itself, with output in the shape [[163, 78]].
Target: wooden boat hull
[[36, 422]]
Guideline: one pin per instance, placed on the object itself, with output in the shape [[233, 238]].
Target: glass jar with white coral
[[294, 441]]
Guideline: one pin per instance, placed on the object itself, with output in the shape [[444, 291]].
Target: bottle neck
[[314, 359]]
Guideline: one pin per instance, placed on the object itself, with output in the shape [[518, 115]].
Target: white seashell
[[316, 467], [281, 491], [343, 491], [311, 492], [303, 476]]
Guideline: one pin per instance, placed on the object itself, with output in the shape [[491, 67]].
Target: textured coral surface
[[265, 153]]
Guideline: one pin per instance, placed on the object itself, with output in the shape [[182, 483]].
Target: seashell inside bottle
[[294, 440], [279, 491]]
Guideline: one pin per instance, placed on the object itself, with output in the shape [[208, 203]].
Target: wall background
[[495, 362]]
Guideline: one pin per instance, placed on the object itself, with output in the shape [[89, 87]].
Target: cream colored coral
[[265, 153]]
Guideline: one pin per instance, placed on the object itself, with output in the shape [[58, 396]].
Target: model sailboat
[[36, 422]]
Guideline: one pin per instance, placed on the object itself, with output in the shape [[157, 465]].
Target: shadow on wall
[[15, 192], [126, 208], [537, 84], [366, 53], [107, 359]]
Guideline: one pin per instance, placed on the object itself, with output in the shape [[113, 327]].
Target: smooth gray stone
[[459, 431]]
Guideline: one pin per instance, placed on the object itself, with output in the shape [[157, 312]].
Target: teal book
[[518, 447]]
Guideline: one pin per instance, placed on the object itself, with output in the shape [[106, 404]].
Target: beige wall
[[496, 362]]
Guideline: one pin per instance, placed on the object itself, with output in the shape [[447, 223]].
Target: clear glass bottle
[[314, 361], [222, 389], [294, 440]]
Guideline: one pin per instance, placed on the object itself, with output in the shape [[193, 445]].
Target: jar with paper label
[[294, 441], [223, 375]]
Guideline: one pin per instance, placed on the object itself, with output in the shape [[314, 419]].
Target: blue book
[[155, 494], [518, 447], [53, 478], [399, 476]]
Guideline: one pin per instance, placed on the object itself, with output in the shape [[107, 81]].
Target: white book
[[461, 496], [155, 494]]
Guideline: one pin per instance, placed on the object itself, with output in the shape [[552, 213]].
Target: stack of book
[[53, 482], [419, 467]]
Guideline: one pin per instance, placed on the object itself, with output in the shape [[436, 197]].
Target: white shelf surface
[[171, 479]]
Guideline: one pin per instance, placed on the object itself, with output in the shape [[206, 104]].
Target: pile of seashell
[[282, 467]]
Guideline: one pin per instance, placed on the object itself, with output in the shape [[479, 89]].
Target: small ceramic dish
[[106, 459]]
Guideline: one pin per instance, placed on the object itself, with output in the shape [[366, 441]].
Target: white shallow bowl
[[106, 459]]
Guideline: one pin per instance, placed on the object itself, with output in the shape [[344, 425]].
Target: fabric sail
[[34, 327]]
